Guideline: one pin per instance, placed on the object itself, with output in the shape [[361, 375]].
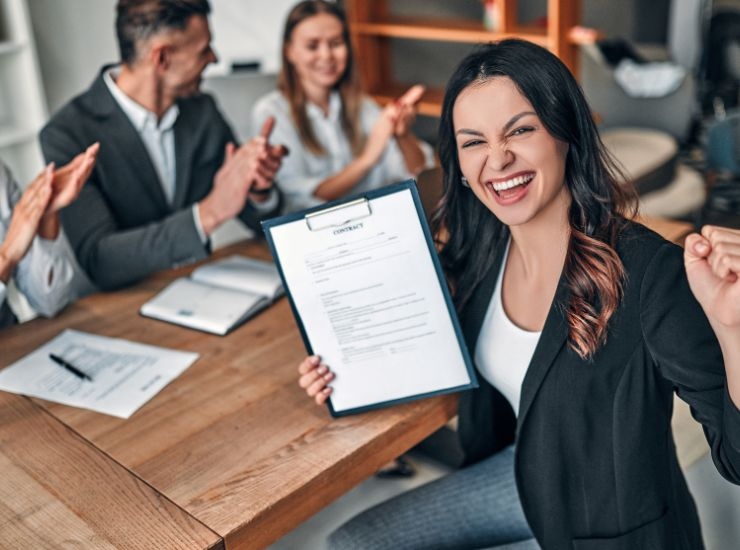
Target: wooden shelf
[[373, 24], [584, 36], [455, 30]]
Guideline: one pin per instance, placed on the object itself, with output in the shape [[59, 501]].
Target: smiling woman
[[340, 141], [526, 151], [582, 324], [512, 163]]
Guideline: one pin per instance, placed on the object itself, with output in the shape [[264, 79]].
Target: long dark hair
[[593, 272], [348, 85]]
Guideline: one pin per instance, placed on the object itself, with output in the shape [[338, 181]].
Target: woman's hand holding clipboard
[[368, 294]]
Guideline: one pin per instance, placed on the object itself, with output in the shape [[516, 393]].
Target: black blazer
[[121, 226], [596, 464]]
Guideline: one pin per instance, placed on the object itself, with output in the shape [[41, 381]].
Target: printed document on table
[[125, 374], [371, 301]]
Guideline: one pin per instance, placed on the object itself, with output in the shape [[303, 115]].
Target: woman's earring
[[464, 181]]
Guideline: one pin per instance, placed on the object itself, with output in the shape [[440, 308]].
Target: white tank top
[[504, 350]]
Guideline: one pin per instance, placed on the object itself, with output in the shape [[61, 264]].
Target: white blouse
[[504, 350], [302, 171]]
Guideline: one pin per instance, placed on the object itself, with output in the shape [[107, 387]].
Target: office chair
[[644, 133], [429, 183], [672, 113]]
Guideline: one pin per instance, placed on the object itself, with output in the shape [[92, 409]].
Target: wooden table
[[672, 230], [231, 452], [56, 489]]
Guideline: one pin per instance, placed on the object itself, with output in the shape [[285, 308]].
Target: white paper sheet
[[371, 303], [125, 374]]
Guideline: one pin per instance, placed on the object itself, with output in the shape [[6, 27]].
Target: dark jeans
[[475, 507]]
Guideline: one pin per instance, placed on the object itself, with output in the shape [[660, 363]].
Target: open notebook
[[218, 296]]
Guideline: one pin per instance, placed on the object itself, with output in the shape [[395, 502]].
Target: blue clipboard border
[[409, 185]]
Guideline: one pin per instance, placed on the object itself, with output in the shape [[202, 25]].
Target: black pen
[[70, 367]]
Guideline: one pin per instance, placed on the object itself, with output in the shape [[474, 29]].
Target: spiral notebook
[[219, 296]]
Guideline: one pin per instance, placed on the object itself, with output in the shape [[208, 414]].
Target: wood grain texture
[[447, 30], [562, 16], [56, 490], [373, 24], [671, 230], [233, 440]]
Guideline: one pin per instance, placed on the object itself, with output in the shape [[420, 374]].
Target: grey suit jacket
[[596, 465], [121, 226]]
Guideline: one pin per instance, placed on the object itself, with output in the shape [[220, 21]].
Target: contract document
[[369, 297], [107, 375]]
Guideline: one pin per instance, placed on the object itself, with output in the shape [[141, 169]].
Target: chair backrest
[[430, 183]]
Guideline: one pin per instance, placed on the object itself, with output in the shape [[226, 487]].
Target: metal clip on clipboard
[[339, 215]]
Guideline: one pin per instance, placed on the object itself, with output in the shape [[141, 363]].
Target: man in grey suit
[[168, 173]]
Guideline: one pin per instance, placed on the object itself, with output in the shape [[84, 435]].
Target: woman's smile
[[510, 189], [514, 166]]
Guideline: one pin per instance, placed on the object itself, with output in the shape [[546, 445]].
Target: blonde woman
[[340, 141]]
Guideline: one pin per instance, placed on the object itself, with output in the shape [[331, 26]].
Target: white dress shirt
[[47, 273], [302, 171], [158, 137], [504, 350]]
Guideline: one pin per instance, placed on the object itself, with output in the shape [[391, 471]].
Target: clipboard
[[322, 250]]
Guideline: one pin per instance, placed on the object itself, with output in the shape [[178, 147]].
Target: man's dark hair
[[138, 20]]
